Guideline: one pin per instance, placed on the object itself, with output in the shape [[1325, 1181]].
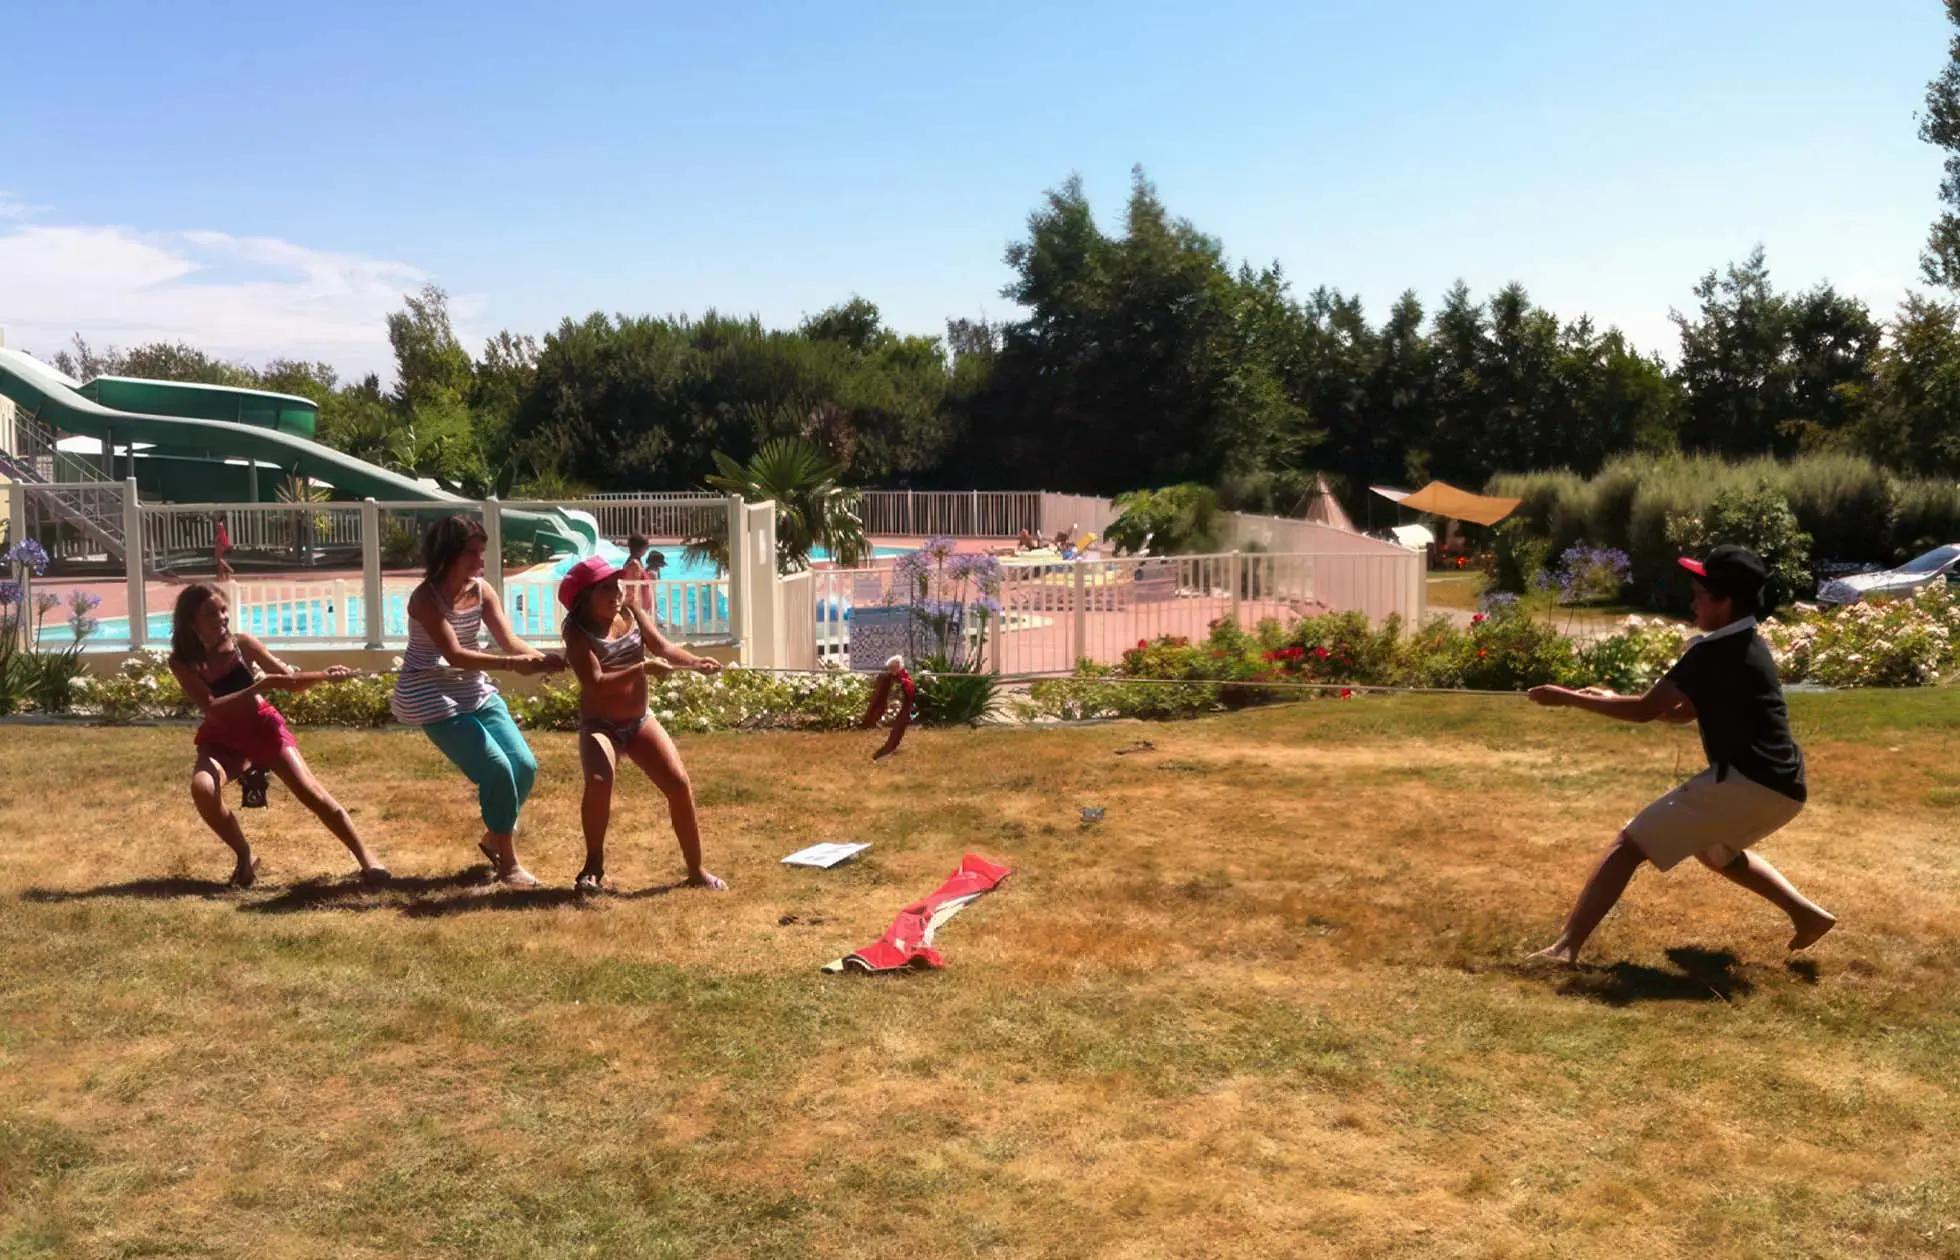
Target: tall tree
[[1940, 125], [1767, 373]]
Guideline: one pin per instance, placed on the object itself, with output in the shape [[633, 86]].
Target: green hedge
[[1854, 511]]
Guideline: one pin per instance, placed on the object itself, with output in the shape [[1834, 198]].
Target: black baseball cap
[[1734, 572]]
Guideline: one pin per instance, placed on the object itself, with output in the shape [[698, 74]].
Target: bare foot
[[246, 873], [1811, 930], [516, 876], [374, 876], [1562, 955], [713, 883]]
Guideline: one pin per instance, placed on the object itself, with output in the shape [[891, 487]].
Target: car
[[1920, 571]]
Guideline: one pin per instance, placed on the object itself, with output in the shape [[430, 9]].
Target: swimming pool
[[689, 598]]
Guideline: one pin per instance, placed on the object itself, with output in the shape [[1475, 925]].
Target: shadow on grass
[[1705, 975], [412, 896], [328, 893], [136, 889], [491, 897]]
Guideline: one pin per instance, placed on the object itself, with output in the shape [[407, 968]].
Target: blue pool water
[[532, 604]]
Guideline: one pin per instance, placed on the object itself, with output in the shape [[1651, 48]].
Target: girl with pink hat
[[607, 642]]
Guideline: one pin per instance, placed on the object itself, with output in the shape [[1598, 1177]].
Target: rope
[[1018, 679], [1278, 684]]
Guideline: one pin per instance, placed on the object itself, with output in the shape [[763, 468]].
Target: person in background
[[221, 543], [633, 574]]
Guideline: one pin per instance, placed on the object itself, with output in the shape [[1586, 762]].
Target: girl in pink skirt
[[226, 676]]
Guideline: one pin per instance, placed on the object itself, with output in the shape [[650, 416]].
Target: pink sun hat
[[582, 577]]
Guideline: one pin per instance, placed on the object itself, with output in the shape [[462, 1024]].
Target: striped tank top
[[617, 654], [423, 698]]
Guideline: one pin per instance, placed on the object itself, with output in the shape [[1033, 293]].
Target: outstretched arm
[[422, 607], [659, 648], [1661, 702]]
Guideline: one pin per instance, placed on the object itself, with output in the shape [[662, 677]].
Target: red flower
[[1481, 654], [1142, 644], [1477, 620], [1320, 652], [1347, 693]]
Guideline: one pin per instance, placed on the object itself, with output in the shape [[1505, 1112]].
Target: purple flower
[[976, 567], [29, 553], [939, 547], [81, 602], [987, 607], [82, 625], [46, 602], [9, 594]]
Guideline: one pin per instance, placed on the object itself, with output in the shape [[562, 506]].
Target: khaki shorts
[[1715, 820]]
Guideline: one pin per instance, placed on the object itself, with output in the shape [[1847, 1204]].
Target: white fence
[[953, 513], [1054, 615], [1076, 514], [286, 532]]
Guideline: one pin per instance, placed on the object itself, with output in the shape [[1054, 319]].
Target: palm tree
[[812, 510]]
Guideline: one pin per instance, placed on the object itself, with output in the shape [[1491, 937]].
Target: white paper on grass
[[824, 856]]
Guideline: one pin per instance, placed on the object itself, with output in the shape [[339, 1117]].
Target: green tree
[[1764, 373], [812, 509], [1940, 125]]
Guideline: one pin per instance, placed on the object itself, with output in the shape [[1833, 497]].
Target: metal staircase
[[29, 455]]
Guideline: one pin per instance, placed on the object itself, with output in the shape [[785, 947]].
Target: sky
[[269, 180]]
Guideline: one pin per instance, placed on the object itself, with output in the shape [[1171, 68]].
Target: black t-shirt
[[1745, 725]]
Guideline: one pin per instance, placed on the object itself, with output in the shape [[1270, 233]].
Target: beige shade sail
[[1439, 498]]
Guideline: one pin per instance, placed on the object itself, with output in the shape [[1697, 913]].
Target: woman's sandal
[[589, 883]]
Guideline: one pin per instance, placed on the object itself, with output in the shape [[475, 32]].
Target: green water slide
[[205, 443]]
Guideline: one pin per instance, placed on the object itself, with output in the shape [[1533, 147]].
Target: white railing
[[1056, 614], [73, 520], [955, 513], [1075, 515], [797, 608], [285, 611], [287, 532], [683, 610]]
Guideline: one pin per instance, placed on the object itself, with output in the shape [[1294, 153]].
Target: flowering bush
[[142, 686], [357, 702], [1590, 575], [735, 699], [1634, 659], [1892, 643]]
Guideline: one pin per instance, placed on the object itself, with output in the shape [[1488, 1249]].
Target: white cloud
[[12, 207], [251, 298]]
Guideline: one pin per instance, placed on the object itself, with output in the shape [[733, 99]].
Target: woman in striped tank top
[[610, 643], [443, 689]]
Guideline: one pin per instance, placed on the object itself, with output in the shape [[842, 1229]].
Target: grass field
[[1270, 1006]]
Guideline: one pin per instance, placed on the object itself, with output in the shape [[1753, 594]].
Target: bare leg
[[298, 778], [1601, 893], [598, 759], [653, 751], [208, 779], [1749, 871]]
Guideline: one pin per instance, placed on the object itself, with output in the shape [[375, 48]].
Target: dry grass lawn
[[1269, 1007]]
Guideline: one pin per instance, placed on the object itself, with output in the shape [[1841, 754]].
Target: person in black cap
[[1754, 784]]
